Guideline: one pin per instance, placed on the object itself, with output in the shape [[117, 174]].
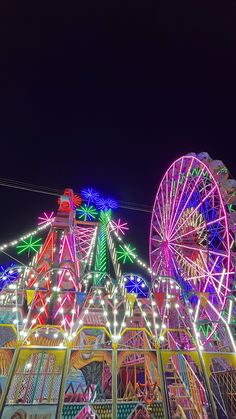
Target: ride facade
[[90, 330]]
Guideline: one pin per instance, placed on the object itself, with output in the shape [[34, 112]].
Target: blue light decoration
[[105, 204], [90, 195], [8, 275], [136, 284]]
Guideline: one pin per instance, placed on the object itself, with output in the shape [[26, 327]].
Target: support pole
[[63, 382], [114, 381], [9, 379], [162, 382], [208, 385]]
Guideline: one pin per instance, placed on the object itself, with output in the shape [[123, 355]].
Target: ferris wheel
[[191, 238]]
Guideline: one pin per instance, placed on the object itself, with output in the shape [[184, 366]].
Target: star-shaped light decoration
[[89, 195], [105, 204], [119, 227], [136, 284], [126, 253], [87, 212], [46, 218], [29, 245], [77, 200]]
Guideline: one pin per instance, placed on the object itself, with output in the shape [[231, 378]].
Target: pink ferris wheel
[[190, 237]]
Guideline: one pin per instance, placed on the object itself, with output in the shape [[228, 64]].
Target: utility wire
[[28, 189], [54, 192], [16, 260], [17, 182]]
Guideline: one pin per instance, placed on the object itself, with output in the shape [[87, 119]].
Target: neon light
[[199, 249], [90, 195], [105, 204], [221, 279], [126, 253], [199, 228], [46, 218], [136, 285], [195, 209], [48, 246], [87, 212], [66, 242], [119, 227], [29, 245], [77, 200], [230, 311]]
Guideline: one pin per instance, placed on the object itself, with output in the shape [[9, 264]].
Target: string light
[[32, 233]]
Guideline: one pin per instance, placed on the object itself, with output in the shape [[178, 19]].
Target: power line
[[27, 189], [55, 192]]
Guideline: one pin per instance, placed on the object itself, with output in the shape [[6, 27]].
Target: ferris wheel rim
[[170, 174]]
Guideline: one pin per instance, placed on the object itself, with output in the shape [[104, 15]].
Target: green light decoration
[[87, 212], [195, 172], [126, 253], [206, 329], [29, 245], [101, 253], [105, 216]]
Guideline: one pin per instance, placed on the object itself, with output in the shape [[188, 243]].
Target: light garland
[[138, 260], [33, 233]]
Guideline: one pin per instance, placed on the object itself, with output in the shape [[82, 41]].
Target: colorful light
[[29, 245], [87, 212], [8, 275], [126, 253], [90, 195], [77, 200], [137, 285], [46, 218], [119, 227], [190, 234], [106, 203]]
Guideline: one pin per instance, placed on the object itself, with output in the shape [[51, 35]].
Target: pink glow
[[199, 249], [66, 242], [119, 227], [181, 196], [198, 228], [47, 218], [195, 209]]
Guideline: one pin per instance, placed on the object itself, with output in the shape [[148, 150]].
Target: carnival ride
[[89, 330]]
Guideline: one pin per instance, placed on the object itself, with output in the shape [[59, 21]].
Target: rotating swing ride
[[90, 330]]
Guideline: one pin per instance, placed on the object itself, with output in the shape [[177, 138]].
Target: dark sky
[[108, 94]]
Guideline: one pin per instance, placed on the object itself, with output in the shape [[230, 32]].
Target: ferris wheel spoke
[[188, 261], [203, 276], [207, 274], [163, 211], [171, 192], [155, 262], [177, 182], [154, 239], [161, 224], [195, 209], [184, 191], [201, 249], [154, 252], [198, 228], [180, 199], [211, 279], [158, 231], [191, 264]]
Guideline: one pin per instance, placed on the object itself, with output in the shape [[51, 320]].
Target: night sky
[[108, 94]]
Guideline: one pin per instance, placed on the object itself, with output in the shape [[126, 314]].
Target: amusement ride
[[88, 329]]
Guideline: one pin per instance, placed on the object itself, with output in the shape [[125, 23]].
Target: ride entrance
[[88, 329]]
